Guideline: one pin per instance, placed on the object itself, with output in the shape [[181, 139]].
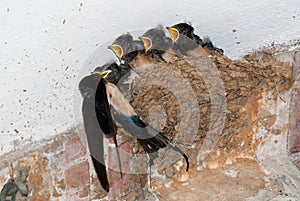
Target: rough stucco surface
[[44, 44]]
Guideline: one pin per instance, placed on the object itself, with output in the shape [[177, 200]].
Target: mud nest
[[242, 81]]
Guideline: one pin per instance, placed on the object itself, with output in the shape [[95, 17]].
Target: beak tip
[[117, 49], [147, 43]]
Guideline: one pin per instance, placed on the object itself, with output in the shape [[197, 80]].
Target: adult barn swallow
[[157, 44], [104, 109], [130, 51], [98, 120], [178, 31]]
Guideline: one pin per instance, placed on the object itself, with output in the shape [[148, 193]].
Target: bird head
[[124, 47], [174, 33], [88, 84], [147, 43], [156, 39], [103, 74], [180, 29], [117, 49]]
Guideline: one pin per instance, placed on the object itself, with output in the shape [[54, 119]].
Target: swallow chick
[[157, 44], [179, 34], [129, 50], [121, 75], [97, 120], [185, 42], [117, 72]]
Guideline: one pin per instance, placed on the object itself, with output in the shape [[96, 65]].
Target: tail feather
[[101, 173], [175, 148], [118, 154], [153, 144]]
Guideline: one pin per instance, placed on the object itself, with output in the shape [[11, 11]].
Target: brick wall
[[60, 169], [294, 134]]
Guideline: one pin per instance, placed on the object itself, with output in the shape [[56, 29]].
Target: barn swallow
[[129, 50], [117, 72], [185, 42], [157, 44], [104, 110], [125, 116], [149, 138], [188, 43], [121, 75], [97, 119]]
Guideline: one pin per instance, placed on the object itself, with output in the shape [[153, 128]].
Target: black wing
[[103, 113], [97, 121], [104, 116], [149, 138], [95, 140]]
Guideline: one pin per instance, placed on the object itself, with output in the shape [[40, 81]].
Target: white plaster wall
[[44, 44]]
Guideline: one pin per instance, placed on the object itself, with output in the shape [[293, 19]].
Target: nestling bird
[[117, 72], [130, 51], [157, 44], [121, 75], [188, 43]]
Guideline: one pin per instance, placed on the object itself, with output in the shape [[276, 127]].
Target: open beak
[[102, 74], [117, 49], [174, 33], [147, 43]]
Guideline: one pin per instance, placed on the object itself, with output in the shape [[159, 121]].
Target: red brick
[[114, 191], [296, 64], [294, 142], [297, 162], [294, 134], [82, 135], [114, 175], [124, 148], [74, 149], [77, 182]]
